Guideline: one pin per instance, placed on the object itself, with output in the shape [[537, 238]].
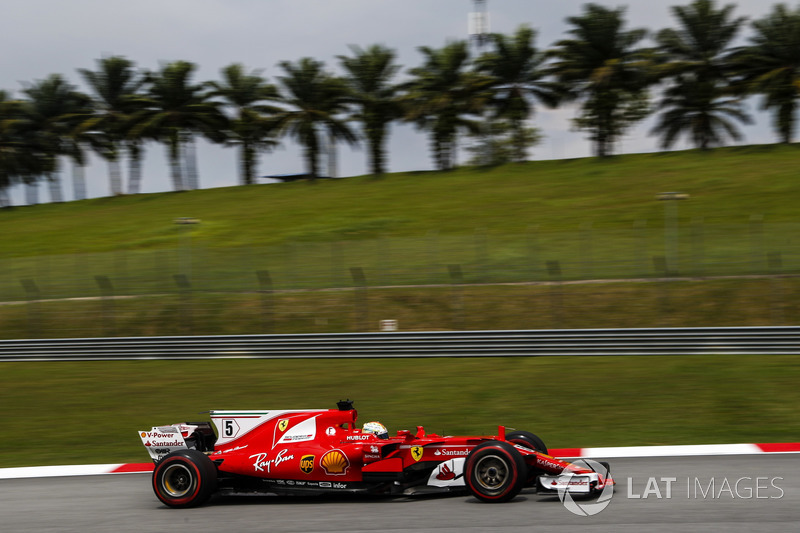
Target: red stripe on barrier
[[566, 452], [133, 468], [780, 447]]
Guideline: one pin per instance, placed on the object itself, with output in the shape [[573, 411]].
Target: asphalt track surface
[[125, 502]]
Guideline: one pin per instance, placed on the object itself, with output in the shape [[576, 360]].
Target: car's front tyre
[[495, 471], [527, 439]]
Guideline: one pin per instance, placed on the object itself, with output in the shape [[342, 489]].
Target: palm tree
[[369, 75], [770, 66], [443, 96], [174, 110], [24, 153], [602, 66], [56, 108], [700, 44], [117, 90], [516, 67], [698, 68], [315, 99], [691, 107], [250, 129]]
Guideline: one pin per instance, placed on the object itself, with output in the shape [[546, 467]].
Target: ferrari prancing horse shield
[[416, 452], [282, 424]]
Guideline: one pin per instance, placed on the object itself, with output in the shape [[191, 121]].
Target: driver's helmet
[[377, 429]]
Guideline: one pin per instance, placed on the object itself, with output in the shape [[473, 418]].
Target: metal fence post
[[756, 242], [640, 240], [698, 246], [671, 225], [336, 264], [481, 254], [121, 269], [360, 298], [661, 267], [291, 264], [267, 301], [107, 292], [457, 295], [32, 294], [533, 251], [586, 251], [775, 263], [433, 256], [554, 270], [185, 288]]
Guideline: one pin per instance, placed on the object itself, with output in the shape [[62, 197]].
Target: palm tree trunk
[[135, 168], [115, 176], [376, 154], [312, 156], [54, 183], [78, 181], [248, 163], [192, 178], [311, 163], [785, 121], [331, 156], [32, 193], [518, 141], [174, 154], [436, 146]]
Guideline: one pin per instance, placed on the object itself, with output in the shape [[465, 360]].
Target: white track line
[[626, 451]]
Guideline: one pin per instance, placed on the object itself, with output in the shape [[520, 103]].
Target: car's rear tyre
[[184, 478], [495, 471], [527, 439]]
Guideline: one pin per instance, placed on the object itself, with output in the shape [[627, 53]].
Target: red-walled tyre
[[185, 478], [527, 439], [495, 471]]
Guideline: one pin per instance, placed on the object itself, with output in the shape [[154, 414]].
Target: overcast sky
[[42, 37]]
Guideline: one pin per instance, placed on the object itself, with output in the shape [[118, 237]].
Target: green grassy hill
[[426, 233], [726, 187]]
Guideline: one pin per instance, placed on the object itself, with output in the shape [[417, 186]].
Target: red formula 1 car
[[312, 451]]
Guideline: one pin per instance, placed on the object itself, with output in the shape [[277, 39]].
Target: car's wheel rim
[[492, 473], [178, 480]]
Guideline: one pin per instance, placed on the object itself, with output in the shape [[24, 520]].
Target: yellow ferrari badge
[[416, 452]]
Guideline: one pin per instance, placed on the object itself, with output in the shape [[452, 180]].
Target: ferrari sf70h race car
[[313, 451]]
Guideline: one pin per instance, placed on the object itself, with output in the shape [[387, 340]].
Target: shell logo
[[283, 424], [335, 463]]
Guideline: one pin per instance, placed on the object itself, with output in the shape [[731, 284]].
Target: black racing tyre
[[527, 439], [495, 471], [606, 473], [184, 478]]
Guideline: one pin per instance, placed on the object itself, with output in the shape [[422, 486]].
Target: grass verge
[[72, 413], [686, 303]]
